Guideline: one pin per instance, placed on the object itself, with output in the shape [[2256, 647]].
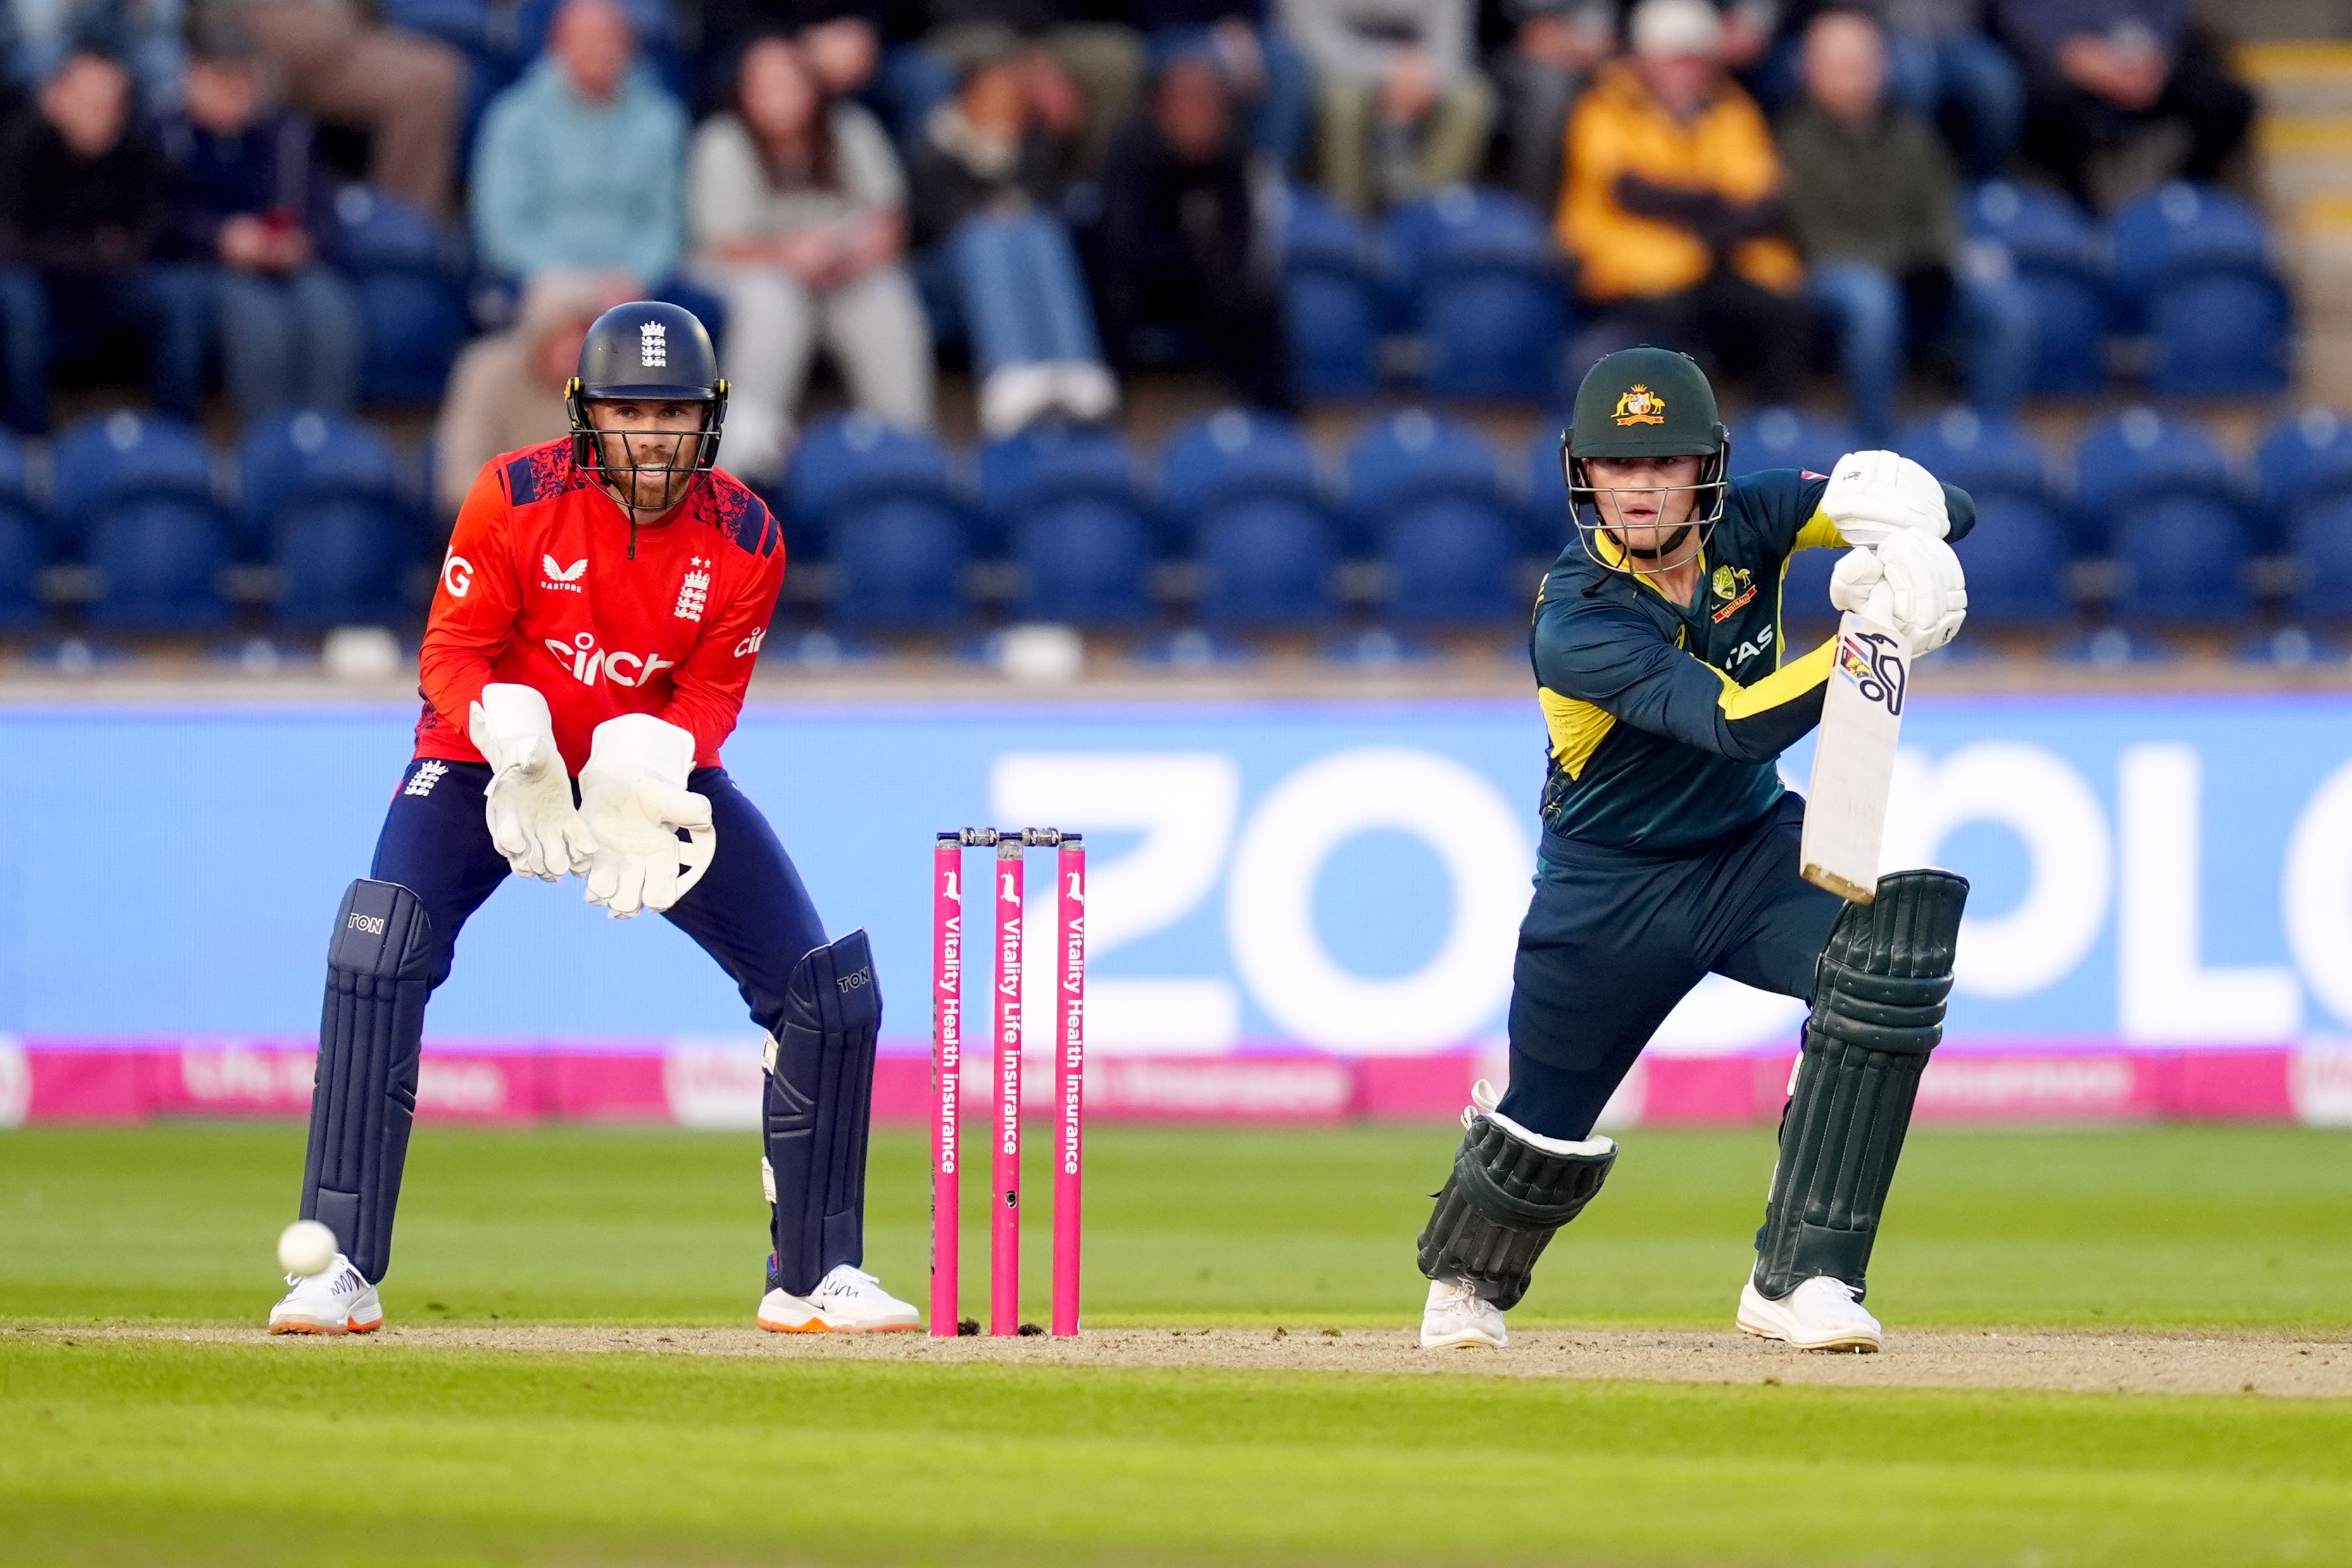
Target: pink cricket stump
[[1070, 883], [1004, 1219], [947, 1075]]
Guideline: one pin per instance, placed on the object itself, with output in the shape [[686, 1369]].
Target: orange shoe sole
[[349, 1327], [817, 1326]]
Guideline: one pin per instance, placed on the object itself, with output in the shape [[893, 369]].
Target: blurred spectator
[[983, 178], [1267, 78], [844, 41], [246, 195], [1672, 205], [580, 163], [1550, 50], [1870, 197], [1402, 109], [144, 34], [1180, 241], [404, 89], [798, 209], [1082, 77], [81, 203], [2100, 74], [506, 390], [1940, 64]]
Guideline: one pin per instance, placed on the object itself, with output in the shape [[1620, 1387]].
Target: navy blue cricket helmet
[[649, 350]]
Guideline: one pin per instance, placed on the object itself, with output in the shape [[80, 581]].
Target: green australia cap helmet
[[1645, 403]]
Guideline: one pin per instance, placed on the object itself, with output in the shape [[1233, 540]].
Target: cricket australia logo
[[1874, 662], [428, 775], [1640, 405], [694, 592], [652, 346]]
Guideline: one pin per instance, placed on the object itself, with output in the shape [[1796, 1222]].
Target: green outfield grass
[[164, 1450]]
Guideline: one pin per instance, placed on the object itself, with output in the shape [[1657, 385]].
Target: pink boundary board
[[716, 1084]]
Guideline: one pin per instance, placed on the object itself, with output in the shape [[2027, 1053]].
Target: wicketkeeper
[[1670, 848], [599, 613]]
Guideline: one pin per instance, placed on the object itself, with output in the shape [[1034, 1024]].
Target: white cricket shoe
[[846, 1301], [337, 1302], [1457, 1317], [1819, 1314]]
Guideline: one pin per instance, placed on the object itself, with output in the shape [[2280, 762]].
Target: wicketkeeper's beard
[[649, 470]]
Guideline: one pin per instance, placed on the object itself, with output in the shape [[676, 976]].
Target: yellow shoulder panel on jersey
[[1576, 729], [1784, 684], [1818, 533]]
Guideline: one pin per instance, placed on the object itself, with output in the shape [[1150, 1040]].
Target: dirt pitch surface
[[2071, 1362]]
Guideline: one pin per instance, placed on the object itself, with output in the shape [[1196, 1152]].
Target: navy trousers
[[750, 911], [1616, 937]]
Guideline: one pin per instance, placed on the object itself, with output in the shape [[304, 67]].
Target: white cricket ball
[[305, 1248]]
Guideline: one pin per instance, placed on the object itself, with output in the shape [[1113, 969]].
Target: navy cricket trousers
[[1614, 938], [750, 911]]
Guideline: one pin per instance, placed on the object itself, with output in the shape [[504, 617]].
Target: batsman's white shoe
[[1457, 1317], [846, 1301], [1819, 1314], [337, 1302]]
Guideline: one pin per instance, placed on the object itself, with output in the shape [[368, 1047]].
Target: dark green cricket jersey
[[1666, 719]]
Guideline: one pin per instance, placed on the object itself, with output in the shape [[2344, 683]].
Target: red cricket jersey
[[539, 589]]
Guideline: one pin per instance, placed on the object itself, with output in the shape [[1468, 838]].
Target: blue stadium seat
[[2136, 457], [2320, 543], [899, 561], [1545, 526], [342, 562], [1236, 454], [21, 549], [1265, 562], [160, 558], [1779, 436], [1084, 562], [1806, 613], [1479, 277], [1049, 463], [1334, 287], [2057, 253], [2183, 557], [405, 266], [1985, 455], [2193, 269], [853, 460], [2016, 561], [1412, 459], [290, 464], [2306, 460], [109, 459], [1450, 560]]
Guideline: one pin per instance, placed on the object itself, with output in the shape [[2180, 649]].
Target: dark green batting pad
[[1878, 1011], [1499, 1207]]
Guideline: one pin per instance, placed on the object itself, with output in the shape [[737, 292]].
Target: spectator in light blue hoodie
[[581, 165]]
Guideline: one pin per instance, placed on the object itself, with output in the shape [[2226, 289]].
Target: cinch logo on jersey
[[563, 579], [652, 346], [750, 645], [695, 591], [588, 664]]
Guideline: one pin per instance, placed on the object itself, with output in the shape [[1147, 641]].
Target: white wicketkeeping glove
[[1910, 584], [633, 801], [1872, 494], [529, 804]]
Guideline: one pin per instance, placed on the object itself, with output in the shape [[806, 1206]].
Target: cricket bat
[[1853, 759]]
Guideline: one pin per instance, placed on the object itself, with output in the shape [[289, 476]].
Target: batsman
[[598, 616], [1670, 850]]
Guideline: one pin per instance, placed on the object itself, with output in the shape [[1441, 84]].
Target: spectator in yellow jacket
[[1672, 205]]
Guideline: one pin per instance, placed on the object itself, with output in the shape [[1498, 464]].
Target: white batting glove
[[1872, 495], [529, 803], [632, 803], [1911, 583]]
